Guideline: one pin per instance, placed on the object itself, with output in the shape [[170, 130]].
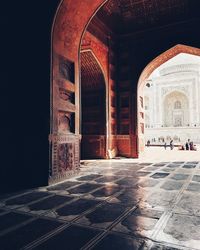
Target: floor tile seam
[[186, 214], [173, 245], [67, 180], [82, 214], [107, 230], [113, 182], [184, 188], [58, 183], [98, 239], [179, 193], [34, 212], [15, 227], [45, 237], [106, 198], [185, 183], [151, 189], [17, 195], [162, 179], [89, 181], [6, 211], [163, 224], [85, 196], [90, 192], [160, 225], [158, 185], [107, 175], [100, 204], [29, 203], [93, 242], [16, 207], [34, 218], [127, 212]]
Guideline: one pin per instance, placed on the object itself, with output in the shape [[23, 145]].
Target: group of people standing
[[189, 145]]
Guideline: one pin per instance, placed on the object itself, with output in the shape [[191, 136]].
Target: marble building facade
[[171, 96]]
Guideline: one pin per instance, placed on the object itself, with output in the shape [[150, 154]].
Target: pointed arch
[[94, 108], [164, 57], [154, 64]]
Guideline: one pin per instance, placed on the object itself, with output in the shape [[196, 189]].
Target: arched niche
[[175, 110], [93, 107]]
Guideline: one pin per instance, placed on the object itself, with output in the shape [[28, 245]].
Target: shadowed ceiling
[[124, 16], [91, 73]]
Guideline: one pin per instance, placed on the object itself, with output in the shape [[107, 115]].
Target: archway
[[68, 32], [66, 44], [145, 81], [93, 106]]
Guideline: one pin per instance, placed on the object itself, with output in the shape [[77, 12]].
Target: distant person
[[148, 143], [187, 144], [171, 144], [165, 145], [191, 145]]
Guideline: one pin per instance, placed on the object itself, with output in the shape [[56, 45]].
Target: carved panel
[[183, 88], [66, 154], [180, 68]]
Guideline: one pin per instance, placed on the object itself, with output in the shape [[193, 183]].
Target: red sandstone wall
[[101, 52], [70, 21]]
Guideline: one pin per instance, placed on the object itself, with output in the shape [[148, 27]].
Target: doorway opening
[[171, 99], [93, 106]]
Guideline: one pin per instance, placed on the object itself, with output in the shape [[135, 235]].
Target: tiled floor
[[111, 205]]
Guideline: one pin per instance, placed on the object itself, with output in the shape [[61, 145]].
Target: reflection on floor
[[110, 205]]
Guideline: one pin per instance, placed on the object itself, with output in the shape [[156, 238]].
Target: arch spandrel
[[69, 24]]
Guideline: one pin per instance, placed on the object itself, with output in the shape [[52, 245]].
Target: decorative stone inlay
[[179, 68], [183, 88]]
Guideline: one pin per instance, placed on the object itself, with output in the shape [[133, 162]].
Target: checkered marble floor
[[109, 205]]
